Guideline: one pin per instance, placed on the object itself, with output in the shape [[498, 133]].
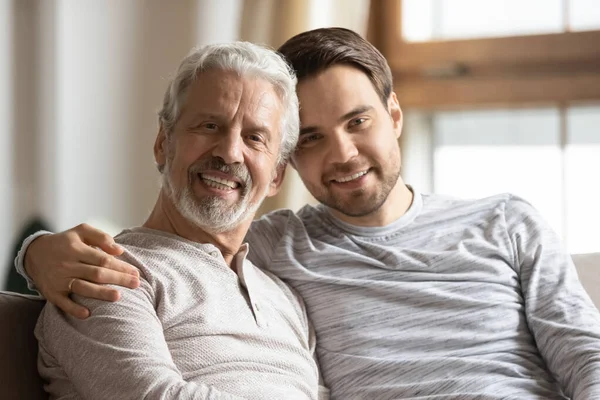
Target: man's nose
[[343, 148], [230, 147]]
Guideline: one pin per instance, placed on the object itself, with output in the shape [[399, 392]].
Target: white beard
[[210, 213]]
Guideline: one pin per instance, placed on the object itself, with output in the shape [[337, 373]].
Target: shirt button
[[214, 254]]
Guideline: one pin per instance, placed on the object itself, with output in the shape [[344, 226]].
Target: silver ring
[[71, 285]]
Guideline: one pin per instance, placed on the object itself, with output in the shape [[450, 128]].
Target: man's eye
[[358, 121], [255, 138], [309, 138], [210, 126]]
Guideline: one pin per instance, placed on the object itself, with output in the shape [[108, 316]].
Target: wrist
[[28, 262]]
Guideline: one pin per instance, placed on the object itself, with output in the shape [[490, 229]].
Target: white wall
[[81, 82], [113, 59], [6, 137]]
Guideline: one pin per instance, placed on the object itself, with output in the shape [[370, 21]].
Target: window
[[548, 156], [582, 186], [482, 153], [427, 20], [500, 96], [583, 15]]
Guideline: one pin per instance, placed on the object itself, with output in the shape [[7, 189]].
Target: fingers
[[82, 287], [87, 289], [70, 307], [93, 291], [101, 275], [91, 256], [96, 237]]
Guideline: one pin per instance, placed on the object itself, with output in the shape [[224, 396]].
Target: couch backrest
[[19, 378], [588, 269]]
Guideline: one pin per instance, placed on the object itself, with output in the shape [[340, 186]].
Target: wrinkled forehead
[[246, 99]]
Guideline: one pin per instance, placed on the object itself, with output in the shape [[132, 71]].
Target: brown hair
[[311, 52]]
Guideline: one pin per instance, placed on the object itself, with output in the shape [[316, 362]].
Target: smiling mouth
[[218, 183], [352, 177]]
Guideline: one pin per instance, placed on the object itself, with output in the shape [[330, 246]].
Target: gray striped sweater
[[455, 300]]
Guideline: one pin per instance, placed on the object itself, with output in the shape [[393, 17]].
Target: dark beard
[[359, 203]]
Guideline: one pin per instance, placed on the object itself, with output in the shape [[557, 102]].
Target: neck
[[395, 206], [166, 218]]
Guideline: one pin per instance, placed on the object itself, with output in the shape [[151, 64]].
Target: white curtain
[[272, 22]]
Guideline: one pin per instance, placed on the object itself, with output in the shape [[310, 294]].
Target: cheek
[[178, 172], [261, 168], [181, 157], [381, 142]]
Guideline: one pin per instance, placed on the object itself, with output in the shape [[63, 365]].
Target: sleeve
[[560, 314], [20, 258], [119, 352]]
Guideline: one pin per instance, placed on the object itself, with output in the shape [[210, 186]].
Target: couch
[[18, 348]]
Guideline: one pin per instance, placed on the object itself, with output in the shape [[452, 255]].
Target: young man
[[205, 323], [411, 295]]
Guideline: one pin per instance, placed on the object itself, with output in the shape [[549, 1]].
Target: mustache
[[239, 171], [347, 167]]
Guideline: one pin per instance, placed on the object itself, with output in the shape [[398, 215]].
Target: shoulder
[[524, 221], [440, 202], [276, 225], [464, 210], [519, 207], [275, 221], [156, 254]]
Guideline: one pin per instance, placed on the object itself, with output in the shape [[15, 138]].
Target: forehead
[[334, 92], [229, 95]]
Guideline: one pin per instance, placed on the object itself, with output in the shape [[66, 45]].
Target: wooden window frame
[[504, 71]]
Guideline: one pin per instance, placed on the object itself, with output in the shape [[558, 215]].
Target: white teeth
[[218, 183], [351, 177]]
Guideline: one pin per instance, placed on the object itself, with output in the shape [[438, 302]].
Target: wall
[[80, 84], [7, 118]]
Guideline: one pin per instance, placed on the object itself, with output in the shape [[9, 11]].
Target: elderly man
[[205, 323], [413, 296]]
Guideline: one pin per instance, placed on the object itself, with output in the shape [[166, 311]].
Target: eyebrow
[[253, 126], [357, 111], [202, 116]]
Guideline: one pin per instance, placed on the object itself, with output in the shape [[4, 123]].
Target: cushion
[[19, 378], [588, 268]]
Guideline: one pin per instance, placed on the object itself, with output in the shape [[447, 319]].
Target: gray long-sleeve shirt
[[455, 300]]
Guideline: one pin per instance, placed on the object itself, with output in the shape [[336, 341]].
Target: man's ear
[[275, 184], [396, 113], [161, 149]]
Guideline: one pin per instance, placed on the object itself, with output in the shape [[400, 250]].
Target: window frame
[[499, 71]]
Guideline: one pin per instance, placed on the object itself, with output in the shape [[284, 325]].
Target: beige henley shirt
[[194, 329]]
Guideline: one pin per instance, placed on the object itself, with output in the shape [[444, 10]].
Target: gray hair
[[246, 59]]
